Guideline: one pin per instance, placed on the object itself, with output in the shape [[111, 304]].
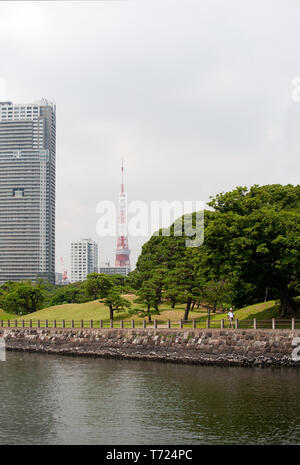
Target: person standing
[[230, 318]]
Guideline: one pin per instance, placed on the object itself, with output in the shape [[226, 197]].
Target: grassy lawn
[[97, 311], [6, 316]]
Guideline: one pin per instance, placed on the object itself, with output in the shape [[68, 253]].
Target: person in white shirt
[[230, 318]]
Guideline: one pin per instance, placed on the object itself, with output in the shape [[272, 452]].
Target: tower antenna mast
[[122, 252]]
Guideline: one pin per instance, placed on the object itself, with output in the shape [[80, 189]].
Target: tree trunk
[[194, 303], [149, 314], [111, 313], [286, 307], [33, 305], [266, 294], [187, 309], [173, 303]]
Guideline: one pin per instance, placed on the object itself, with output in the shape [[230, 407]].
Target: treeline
[[250, 253], [23, 298]]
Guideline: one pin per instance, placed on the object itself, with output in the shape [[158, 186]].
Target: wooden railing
[[181, 324]]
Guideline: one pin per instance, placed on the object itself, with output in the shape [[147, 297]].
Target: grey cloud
[[195, 95]]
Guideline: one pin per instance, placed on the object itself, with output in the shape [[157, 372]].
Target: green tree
[[147, 297], [217, 294], [256, 241], [171, 292], [162, 252], [188, 277], [98, 285], [115, 302], [71, 293], [251, 240], [22, 299]]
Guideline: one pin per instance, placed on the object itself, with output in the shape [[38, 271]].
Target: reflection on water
[[49, 399]]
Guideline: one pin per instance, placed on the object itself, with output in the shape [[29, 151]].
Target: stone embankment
[[198, 346]]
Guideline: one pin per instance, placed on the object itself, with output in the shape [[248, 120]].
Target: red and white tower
[[122, 252]]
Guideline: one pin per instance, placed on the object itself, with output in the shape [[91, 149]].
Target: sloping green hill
[[87, 311], [6, 316], [97, 311]]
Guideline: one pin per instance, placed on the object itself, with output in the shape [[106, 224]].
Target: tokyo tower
[[122, 252]]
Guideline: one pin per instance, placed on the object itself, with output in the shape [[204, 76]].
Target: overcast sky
[[195, 95]]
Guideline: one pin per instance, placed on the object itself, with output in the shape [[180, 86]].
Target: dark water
[[47, 399]]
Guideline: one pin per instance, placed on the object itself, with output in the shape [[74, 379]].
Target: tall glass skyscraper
[[27, 191]]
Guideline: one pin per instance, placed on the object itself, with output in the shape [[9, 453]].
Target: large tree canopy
[[21, 298], [252, 239]]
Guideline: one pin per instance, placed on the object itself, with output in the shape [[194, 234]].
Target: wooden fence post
[[101, 324], [208, 323], [144, 324], [63, 323], [194, 324], [8, 323], [155, 323], [236, 323], [38, 323], [111, 323], [1, 323], [254, 323], [132, 323], [293, 324], [121, 323], [273, 323], [54, 323], [222, 323], [72, 324], [91, 323], [81, 324], [169, 324], [30, 323], [46, 323], [180, 324], [23, 323], [16, 323]]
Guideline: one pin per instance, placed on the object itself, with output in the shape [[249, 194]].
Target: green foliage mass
[[21, 298], [250, 253], [115, 302], [251, 250]]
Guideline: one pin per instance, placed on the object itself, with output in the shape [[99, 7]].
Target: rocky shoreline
[[247, 348]]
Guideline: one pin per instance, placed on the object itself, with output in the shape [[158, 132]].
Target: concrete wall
[[200, 346]]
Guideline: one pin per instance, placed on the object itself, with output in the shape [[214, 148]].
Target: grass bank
[[97, 311]]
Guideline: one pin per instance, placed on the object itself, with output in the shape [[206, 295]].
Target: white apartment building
[[84, 259]]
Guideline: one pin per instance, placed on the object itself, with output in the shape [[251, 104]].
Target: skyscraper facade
[[27, 191], [84, 259]]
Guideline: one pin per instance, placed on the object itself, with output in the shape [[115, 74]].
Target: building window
[[18, 193]]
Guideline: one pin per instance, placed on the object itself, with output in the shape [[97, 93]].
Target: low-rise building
[[123, 270]]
